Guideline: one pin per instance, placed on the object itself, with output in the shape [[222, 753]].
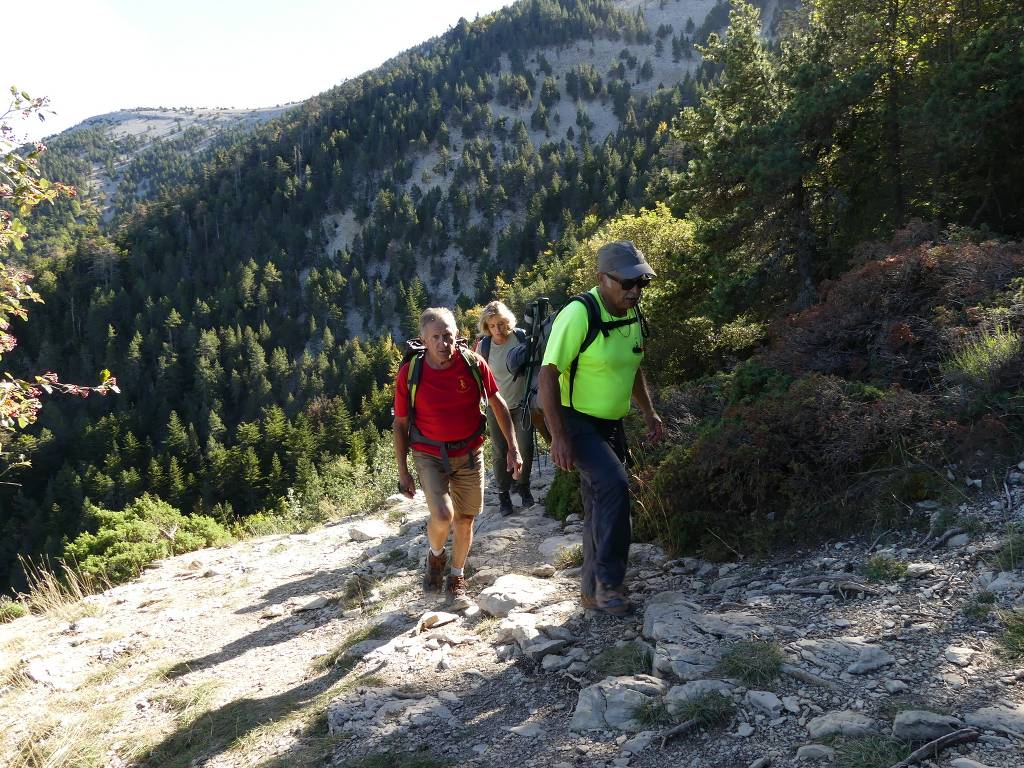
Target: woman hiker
[[499, 337]]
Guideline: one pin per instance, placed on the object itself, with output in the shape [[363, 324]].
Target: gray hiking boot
[[526, 497], [612, 600]]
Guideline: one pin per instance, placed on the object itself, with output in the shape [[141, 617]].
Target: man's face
[[439, 339], [498, 328], [622, 295]]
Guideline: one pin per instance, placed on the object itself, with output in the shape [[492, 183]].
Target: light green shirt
[[607, 369]]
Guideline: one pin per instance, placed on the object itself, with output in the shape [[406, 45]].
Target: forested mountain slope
[[249, 315], [228, 307]]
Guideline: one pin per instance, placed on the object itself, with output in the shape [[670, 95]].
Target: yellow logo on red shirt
[[463, 385]]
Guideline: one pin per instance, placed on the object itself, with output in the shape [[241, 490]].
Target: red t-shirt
[[447, 403]]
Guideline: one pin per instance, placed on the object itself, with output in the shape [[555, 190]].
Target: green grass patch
[[754, 662], [337, 654], [881, 568], [709, 709], [979, 361], [1011, 555], [653, 713], [569, 557], [11, 610], [1012, 638], [980, 606], [870, 752], [630, 658]]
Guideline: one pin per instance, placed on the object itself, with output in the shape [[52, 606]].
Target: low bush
[[881, 568], [564, 495], [627, 659], [148, 529], [1012, 637], [807, 457]]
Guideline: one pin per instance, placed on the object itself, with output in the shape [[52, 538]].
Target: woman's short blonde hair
[[435, 314], [493, 310]]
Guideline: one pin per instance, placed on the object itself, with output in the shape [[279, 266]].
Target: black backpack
[[526, 360]]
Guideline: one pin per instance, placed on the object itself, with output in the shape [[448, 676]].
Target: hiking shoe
[[456, 592], [435, 571], [611, 600], [505, 507], [527, 498], [588, 602]]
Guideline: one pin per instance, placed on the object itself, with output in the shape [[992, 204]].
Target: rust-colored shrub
[[791, 464]]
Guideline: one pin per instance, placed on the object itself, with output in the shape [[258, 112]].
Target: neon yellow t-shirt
[[604, 378]]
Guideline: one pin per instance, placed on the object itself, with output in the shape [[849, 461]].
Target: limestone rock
[[765, 702], [613, 702], [514, 592], [966, 762], [815, 752], [921, 725], [843, 654], [919, 570], [960, 656], [520, 628], [543, 571], [550, 549], [368, 530], [432, 619], [999, 718], [684, 662], [638, 743], [840, 723]]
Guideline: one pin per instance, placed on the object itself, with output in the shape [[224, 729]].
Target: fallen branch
[[946, 537], [853, 586], [679, 730], [933, 748], [806, 677]]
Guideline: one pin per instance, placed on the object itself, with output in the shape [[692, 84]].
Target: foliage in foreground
[[755, 662], [148, 529]]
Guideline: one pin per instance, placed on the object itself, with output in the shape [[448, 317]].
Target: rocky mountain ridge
[[320, 649]]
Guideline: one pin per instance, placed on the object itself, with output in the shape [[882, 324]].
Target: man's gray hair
[[433, 314], [493, 310]]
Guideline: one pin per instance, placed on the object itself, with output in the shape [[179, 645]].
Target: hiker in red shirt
[[440, 399]]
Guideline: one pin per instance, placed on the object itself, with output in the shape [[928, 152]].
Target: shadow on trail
[[330, 583], [215, 731]]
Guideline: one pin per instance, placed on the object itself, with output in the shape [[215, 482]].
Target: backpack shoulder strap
[[413, 375], [520, 334], [594, 325], [473, 362], [485, 347]]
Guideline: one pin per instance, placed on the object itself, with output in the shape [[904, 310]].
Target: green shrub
[[569, 557], [564, 495], [10, 610], [709, 709], [870, 752], [881, 568], [148, 529], [980, 606]]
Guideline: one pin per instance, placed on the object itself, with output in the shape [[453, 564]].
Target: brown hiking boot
[[612, 600], [457, 593], [588, 601], [435, 571]]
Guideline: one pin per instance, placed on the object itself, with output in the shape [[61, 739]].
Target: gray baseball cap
[[622, 259]]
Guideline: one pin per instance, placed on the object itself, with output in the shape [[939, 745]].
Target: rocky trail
[[321, 649]]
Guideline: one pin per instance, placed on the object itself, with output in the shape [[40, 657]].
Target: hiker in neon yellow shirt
[[584, 398]]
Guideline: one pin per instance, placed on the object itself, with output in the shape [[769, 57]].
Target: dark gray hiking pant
[[599, 447]]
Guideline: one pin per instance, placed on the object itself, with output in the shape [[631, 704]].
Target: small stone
[[638, 743], [273, 612], [315, 604], [959, 655], [792, 704], [745, 730], [921, 725], [527, 730], [960, 540], [841, 723], [966, 762], [918, 570], [815, 752], [761, 762], [765, 702], [543, 571], [895, 686]]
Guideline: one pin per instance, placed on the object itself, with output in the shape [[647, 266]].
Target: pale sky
[[91, 57]]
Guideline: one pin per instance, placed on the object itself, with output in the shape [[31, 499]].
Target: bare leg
[[463, 540]]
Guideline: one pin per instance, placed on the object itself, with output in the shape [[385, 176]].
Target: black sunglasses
[[632, 282]]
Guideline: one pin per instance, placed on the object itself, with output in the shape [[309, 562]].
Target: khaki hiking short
[[461, 492]]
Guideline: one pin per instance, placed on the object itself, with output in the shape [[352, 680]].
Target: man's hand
[[655, 427], [561, 452], [406, 484], [514, 462]]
